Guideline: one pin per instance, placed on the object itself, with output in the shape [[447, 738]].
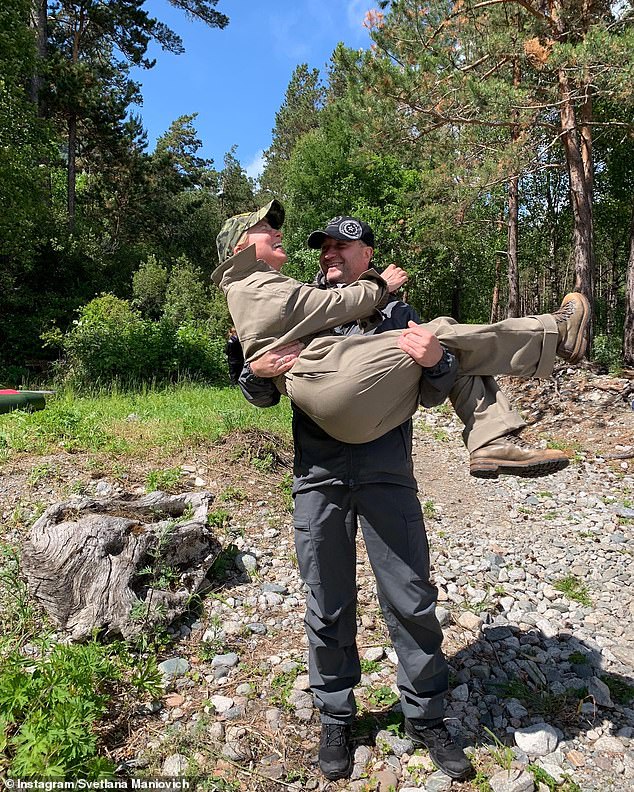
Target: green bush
[[149, 284], [50, 707], [111, 341], [608, 351], [187, 296], [198, 353]]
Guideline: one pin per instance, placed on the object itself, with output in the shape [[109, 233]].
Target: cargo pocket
[[306, 556], [418, 548]]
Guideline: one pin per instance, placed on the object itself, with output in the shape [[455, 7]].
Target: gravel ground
[[536, 601]]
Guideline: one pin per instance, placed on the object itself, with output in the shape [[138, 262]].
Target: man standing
[[337, 487]]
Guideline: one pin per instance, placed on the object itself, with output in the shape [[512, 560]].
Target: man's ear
[[369, 255]]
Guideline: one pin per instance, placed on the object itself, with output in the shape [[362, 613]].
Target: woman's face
[[268, 244]]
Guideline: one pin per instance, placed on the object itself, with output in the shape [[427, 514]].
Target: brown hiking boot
[[572, 320], [514, 457]]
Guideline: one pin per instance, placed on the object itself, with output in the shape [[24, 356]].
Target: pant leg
[[325, 529], [484, 410], [359, 387], [524, 347], [392, 523]]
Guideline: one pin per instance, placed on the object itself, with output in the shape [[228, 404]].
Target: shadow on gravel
[[524, 676]]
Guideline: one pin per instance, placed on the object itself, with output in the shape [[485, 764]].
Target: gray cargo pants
[[392, 525]]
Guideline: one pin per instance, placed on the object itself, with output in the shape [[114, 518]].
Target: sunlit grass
[[126, 423]]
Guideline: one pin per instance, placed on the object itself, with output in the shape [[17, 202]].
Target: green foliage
[[232, 493], [620, 691], [298, 114], [51, 705], [163, 480], [218, 518], [543, 778], [286, 485], [17, 614], [382, 696], [187, 296], [111, 341], [574, 589], [282, 686], [608, 351], [129, 422], [149, 284], [501, 754]]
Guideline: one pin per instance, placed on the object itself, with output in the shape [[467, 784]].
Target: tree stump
[[120, 565]]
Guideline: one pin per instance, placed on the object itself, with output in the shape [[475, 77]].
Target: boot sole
[[335, 775], [492, 470], [581, 343]]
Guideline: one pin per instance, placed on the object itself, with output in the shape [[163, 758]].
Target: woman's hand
[[277, 361], [395, 277]]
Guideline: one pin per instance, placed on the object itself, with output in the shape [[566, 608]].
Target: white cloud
[[255, 167]]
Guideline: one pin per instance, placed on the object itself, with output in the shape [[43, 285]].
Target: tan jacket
[[270, 309]]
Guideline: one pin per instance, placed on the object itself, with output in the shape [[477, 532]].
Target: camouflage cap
[[235, 227]]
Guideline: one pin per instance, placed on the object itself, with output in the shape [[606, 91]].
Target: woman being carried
[[359, 387]]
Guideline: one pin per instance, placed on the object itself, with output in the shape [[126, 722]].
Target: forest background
[[490, 145]]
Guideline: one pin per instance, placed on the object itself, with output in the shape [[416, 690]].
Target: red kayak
[[22, 400]]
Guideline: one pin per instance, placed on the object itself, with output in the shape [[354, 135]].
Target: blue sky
[[235, 79]]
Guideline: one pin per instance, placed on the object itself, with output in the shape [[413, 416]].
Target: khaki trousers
[[357, 388]]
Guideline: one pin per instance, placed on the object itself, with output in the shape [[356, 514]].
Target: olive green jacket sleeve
[[270, 309]]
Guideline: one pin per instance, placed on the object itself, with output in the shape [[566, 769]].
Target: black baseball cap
[[347, 229]]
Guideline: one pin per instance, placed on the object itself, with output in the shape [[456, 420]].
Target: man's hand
[[395, 277], [277, 361], [421, 345]]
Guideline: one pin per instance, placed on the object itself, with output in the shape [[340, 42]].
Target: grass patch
[[127, 423], [429, 509], [218, 518], [573, 449], [501, 754], [540, 702], [286, 486], [17, 614], [163, 480], [620, 691], [542, 777], [282, 687], [574, 589]]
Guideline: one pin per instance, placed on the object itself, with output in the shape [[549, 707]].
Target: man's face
[[343, 262], [268, 244]]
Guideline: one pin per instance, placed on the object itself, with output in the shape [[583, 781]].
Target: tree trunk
[[513, 269], [513, 220], [580, 193], [628, 334], [120, 565]]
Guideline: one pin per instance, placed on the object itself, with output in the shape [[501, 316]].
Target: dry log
[[120, 565]]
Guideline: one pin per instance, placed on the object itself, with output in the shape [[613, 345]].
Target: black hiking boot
[[447, 755], [335, 753]]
